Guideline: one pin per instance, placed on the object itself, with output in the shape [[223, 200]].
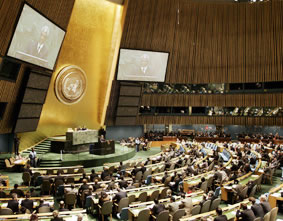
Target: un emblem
[[70, 84]]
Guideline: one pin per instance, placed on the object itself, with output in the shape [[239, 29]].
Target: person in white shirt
[[32, 157], [137, 142]]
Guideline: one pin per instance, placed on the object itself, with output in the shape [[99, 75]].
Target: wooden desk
[[213, 139], [243, 181], [43, 170], [278, 141], [169, 138], [31, 198], [27, 216], [160, 143], [194, 181], [35, 203], [229, 211], [135, 208], [21, 162], [275, 194]]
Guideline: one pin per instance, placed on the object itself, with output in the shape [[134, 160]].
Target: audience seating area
[[186, 181]]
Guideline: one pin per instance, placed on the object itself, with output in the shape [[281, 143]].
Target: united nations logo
[[70, 84]]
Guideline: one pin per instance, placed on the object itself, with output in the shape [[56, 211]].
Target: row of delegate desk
[[136, 208], [243, 180], [47, 199], [229, 211], [66, 215], [255, 140], [213, 139]]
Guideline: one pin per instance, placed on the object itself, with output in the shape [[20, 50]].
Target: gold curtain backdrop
[[92, 43]]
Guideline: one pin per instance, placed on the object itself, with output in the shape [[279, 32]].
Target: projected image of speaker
[[36, 39], [139, 65]]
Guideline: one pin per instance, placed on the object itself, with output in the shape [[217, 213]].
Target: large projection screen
[[36, 39], [139, 65]]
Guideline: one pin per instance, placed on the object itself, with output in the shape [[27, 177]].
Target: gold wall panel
[[92, 41]]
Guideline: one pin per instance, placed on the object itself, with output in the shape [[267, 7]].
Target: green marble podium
[[82, 137], [75, 142]]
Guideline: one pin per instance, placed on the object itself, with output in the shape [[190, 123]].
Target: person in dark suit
[[120, 195], [267, 172], [13, 204], [19, 192], [112, 184], [38, 48], [56, 216], [179, 162], [93, 175], [157, 208], [265, 204], [59, 177], [177, 180], [237, 189], [105, 173], [28, 170], [246, 214], [62, 206], [123, 183], [164, 177], [143, 168], [202, 181], [103, 198], [42, 204], [16, 144], [27, 203], [83, 187], [167, 164], [234, 167], [256, 208], [96, 185], [135, 171], [220, 217], [33, 193], [250, 186], [84, 177]]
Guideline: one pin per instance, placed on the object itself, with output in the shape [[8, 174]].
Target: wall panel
[[210, 41], [189, 120], [227, 100]]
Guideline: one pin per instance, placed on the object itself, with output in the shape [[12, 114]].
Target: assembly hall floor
[[17, 178]]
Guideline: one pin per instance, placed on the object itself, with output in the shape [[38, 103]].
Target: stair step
[[42, 146], [48, 161], [55, 161], [50, 165], [46, 149], [53, 165]]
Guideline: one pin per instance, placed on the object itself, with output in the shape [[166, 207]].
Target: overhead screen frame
[[138, 49], [14, 32]]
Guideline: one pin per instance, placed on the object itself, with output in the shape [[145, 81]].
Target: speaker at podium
[[102, 148]]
